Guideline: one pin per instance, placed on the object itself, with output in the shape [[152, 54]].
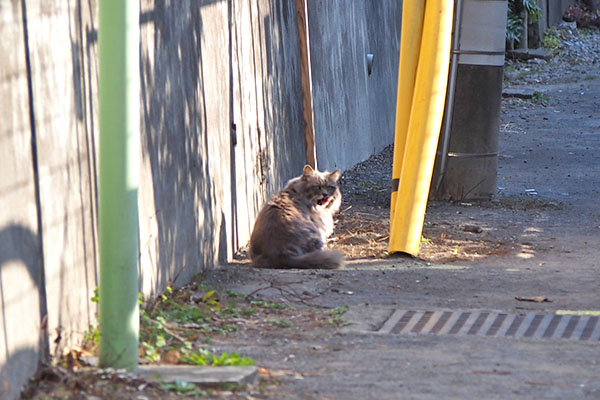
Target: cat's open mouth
[[324, 200]]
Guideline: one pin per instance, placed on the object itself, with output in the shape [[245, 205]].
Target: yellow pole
[[410, 44], [422, 82]]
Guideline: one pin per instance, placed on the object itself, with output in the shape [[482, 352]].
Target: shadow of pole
[[175, 139], [21, 245]]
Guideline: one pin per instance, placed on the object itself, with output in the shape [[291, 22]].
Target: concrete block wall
[[552, 12], [65, 142], [21, 280], [47, 246], [221, 130], [354, 111]]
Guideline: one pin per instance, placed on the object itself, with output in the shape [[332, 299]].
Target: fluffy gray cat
[[291, 230]]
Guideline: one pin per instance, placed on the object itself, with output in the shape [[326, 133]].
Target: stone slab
[[190, 373], [199, 375], [520, 93], [529, 54]]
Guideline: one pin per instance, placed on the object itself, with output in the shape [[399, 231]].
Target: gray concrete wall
[[49, 189], [354, 112], [21, 290], [221, 128], [552, 12], [66, 166], [221, 131]]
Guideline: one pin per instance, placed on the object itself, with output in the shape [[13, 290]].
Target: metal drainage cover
[[493, 324]]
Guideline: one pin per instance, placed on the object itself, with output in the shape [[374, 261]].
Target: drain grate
[[497, 324]]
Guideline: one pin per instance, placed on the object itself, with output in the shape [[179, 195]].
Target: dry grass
[[363, 233]]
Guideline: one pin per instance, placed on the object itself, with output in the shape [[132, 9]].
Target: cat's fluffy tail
[[318, 259]]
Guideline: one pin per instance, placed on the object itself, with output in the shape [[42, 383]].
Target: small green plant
[[92, 335], [232, 311], [338, 311], [514, 27], [552, 43], [271, 306], [96, 297], [169, 291], [232, 386], [211, 300], [336, 316], [514, 20], [204, 357], [177, 318], [151, 353], [247, 311], [540, 98], [233, 293], [526, 72], [183, 388], [281, 323]]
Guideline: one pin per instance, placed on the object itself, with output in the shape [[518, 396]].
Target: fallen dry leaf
[[535, 383], [472, 228], [173, 356], [492, 372], [534, 299], [275, 373]]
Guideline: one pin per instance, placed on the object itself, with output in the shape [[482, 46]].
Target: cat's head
[[319, 188]]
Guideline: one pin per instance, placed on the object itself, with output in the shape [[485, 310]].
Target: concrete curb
[[201, 375], [198, 375]]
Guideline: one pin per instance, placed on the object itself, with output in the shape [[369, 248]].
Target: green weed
[[232, 387], [338, 311], [514, 19], [336, 316], [552, 43], [183, 388], [205, 358], [233, 293], [540, 98], [271, 306], [281, 323], [169, 326], [96, 297], [92, 335]]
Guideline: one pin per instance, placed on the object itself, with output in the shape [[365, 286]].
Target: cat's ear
[[308, 171], [335, 175]]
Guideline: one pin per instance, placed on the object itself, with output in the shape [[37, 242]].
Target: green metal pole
[[119, 99]]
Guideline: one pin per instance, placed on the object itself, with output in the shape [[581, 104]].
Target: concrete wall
[[21, 281], [222, 130], [65, 140], [552, 12], [47, 186], [354, 112]]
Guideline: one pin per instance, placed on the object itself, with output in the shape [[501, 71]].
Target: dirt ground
[[540, 236]]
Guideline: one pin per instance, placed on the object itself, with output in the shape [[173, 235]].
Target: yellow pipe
[[424, 62], [410, 43]]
